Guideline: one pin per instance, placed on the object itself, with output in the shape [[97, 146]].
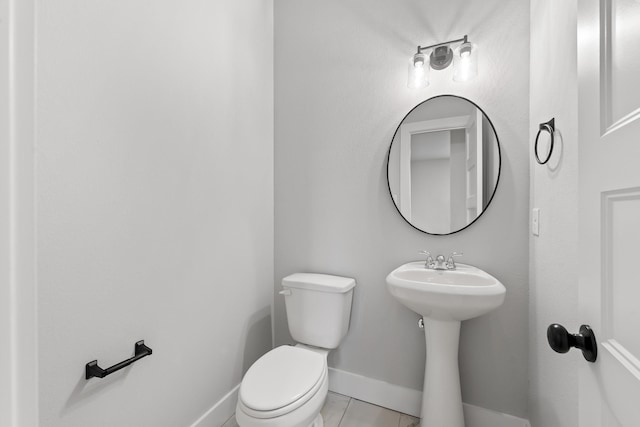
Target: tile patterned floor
[[344, 411]]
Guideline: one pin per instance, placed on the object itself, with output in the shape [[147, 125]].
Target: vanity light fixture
[[464, 58]]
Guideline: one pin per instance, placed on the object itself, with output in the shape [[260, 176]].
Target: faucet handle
[[429, 263], [451, 264]]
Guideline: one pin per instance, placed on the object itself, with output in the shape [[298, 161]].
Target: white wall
[[553, 386], [431, 186], [155, 205], [340, 76], [6, 308], [18, 308]]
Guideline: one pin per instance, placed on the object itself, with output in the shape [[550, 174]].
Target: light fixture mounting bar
[[423, 48]]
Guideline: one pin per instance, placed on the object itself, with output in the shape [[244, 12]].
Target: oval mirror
[[443, 165]]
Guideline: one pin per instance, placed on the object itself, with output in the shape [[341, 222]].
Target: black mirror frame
[[499, 165]]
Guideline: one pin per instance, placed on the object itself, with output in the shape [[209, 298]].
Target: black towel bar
[[550, 127], [93, 370]]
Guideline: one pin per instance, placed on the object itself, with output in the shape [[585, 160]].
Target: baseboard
[[475, 416], [408, 400], [401, 399], [219, 413], [381, 393]]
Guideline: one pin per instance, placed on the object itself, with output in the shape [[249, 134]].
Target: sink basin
[[444, 298], [459, 294]]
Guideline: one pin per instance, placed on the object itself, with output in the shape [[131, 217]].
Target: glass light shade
[[465, 62], [418, 71]]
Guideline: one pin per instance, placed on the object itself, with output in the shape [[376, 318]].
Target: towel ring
[[550, 127]]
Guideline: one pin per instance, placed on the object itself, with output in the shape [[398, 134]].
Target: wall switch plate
[[535, 221]]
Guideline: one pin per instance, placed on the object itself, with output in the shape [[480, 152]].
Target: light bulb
[[465, 62], [418, 77]]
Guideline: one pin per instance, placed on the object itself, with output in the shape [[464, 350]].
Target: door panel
[[621, 290], [620, 62]]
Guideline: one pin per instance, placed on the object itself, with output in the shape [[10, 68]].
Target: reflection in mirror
[[443, 165]]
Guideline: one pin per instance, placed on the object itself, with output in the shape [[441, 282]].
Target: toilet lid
[[281, 377]]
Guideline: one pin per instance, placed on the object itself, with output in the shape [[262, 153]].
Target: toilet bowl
[[287, 386]]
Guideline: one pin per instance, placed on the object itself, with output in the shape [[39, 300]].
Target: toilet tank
[[318, 308]]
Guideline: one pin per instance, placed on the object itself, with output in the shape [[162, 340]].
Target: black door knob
[[561, 341]]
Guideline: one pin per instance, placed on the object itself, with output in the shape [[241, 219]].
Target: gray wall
[[340, 92], [554, 189], [431, 186], [154, 205]]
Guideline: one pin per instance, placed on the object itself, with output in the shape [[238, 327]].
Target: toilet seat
[[307, 415], [281, 381]]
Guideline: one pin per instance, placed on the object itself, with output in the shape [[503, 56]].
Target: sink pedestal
[[441, 398], [444, 299]]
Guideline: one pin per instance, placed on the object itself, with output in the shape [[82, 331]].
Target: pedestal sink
[[444, 298]]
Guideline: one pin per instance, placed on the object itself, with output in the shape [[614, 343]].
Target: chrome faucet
[[440, 262], [429, 262], [451, 263]]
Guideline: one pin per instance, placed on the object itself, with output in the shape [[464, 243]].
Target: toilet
[[287, 386]]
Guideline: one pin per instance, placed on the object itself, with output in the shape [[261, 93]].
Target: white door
[[609, 146]]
